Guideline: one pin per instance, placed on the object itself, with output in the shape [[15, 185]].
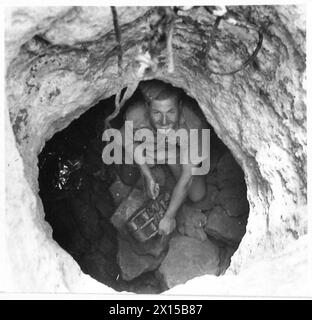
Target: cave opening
[[81, 194]]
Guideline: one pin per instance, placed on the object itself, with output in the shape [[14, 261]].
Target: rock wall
[[61, 60]]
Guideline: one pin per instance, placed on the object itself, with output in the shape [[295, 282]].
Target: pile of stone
[[208, 232]]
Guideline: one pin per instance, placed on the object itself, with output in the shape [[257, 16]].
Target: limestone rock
[[233, 199], [224, 227], [191, 222], [189, 258], [132, 264], [147, 283], [154, 247]]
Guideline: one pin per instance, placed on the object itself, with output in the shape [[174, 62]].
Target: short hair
[[158, 90]]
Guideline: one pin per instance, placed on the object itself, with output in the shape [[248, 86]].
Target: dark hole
[[80, 195]]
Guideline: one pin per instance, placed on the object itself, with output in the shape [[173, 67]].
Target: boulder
[[154, 247], [191, 222], [189, 258], [234, 200], [132, 264], [146, 283], [224, 227]]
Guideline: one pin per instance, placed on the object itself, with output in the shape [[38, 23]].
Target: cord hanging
[[247, 62]]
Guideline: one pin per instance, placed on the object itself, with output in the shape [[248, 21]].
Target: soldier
[[164, 109]]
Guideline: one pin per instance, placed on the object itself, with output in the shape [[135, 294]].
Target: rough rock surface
[[224, 210], [220, 225], [191, 222], [188, 258], [133, 264], [287, 271], [53, 76], [207, 218]]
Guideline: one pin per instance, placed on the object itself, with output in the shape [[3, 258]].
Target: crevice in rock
[[80, 195]]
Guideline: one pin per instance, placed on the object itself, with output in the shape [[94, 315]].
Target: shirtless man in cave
[[163, 108]]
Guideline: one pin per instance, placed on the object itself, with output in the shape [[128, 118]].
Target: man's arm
[[152, 186], [180, 191]]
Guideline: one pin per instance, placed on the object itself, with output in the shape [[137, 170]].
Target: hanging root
[[118, 38], [130, 89], [119, 104]]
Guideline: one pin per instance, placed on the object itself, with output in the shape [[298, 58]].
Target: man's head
[[163, 102]]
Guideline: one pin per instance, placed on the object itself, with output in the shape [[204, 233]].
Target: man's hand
[[152, 188], [166, 225]]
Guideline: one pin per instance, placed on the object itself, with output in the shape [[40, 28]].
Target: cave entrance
[[81, 195]]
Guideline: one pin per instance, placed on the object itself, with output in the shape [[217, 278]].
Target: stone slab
[[189, 258]]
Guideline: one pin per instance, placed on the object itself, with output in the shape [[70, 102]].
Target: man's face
[[164, 113]]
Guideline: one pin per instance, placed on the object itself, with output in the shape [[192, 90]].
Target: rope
[[247, 62]]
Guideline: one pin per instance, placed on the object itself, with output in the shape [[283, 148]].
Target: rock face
[[225, 227], [61, 61], [224, 210]]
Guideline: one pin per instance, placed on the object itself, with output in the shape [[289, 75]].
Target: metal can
[[143, 225]]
